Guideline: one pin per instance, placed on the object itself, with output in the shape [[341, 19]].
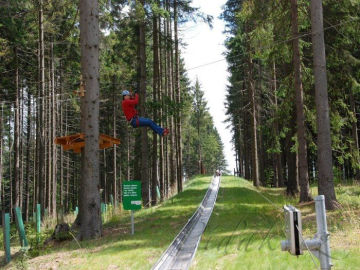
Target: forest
[[41, 89], [292, 100], [89, 181], [274, 102]]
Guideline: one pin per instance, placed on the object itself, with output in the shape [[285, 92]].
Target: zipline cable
[[273, 44]]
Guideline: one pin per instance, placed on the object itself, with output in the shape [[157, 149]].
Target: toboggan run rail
[[76, 142], [181, 251]]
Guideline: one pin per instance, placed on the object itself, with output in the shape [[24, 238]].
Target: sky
[[205, 45]]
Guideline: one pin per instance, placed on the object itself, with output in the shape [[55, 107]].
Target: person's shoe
[[165, 132]]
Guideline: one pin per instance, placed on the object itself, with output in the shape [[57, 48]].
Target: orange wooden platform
[[76, 142]]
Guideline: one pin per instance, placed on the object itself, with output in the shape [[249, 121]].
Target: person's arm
[[133, 101]]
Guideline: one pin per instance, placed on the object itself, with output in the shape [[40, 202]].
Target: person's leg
[[146, 122], [133, 123]]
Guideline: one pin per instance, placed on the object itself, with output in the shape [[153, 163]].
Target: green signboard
[[131, 192]]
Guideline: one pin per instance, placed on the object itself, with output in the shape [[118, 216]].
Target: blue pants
[[146, 122]]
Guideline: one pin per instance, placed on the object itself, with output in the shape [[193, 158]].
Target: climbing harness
[[137, 122]]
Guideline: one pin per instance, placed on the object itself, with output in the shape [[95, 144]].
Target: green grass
[[245, 230], [155, 229]]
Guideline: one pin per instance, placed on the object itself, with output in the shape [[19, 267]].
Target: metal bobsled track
[[182, 250]]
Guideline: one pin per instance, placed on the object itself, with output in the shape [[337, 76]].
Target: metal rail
[[183, 248]]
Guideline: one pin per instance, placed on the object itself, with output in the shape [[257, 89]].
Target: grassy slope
[[245, 230], [155, 228]]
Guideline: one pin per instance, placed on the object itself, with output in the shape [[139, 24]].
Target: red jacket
[[128, 106]]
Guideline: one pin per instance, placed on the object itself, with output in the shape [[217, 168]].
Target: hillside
[[244, 232]]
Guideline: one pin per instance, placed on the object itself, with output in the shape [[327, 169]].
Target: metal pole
[[132, 222], [322, 233]]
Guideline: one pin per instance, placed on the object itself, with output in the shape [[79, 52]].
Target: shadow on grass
[[155, 228], [244, 218], [247, 220], [239, 210]]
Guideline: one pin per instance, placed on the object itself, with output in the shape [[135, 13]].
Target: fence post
[[103, 212], [111, 199], [6, 231], [76, 212], [20, 226], [38, 221]]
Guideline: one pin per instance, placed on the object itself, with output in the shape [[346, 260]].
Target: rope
[[276, 206], [312, 256]]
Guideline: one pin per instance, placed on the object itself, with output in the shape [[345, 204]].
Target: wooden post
[[20, 226], [6, 232]]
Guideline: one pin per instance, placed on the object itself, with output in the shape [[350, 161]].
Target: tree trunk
[[199, 145], [162, 156], [48, 102], [67, 183], [104, 169], [292, 164], [41, 92], [300, 116], [326, 183], [178, 101], [27, 169], [167, 93], [89, 197], [247, 152], [67, 197], [155, 113], [261, 152], [144, 137], [61, 121], [17, 135], [170, 65], [165, 88], [10, 146], [279, 180], [21, 149], [354, 133], [1, 157], [53, 134], [255, 158], [115, 188], [239, 148]]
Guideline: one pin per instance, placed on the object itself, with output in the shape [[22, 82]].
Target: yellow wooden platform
[[76, 142]]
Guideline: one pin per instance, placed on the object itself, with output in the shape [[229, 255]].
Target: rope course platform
[[76, 142]]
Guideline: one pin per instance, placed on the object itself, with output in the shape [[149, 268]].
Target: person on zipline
[[131, 114]]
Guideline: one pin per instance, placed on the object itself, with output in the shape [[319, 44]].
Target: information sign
[[131, 191]]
